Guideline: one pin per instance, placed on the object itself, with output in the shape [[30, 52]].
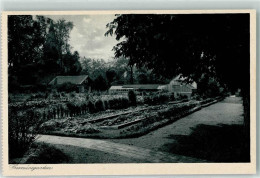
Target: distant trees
[[37, 48], [117, 72], [110, 74], [25, 38]]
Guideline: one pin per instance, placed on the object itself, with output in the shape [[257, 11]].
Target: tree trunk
[[131, 75]]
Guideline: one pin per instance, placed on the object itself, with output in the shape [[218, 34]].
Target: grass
[[223, 143], [46, 154]]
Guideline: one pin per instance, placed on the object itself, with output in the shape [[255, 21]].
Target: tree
[[188, 44], [62, 30], [110, 74], [25, 40], [38, 49], [100, 84], [71, 64], [86, 66]]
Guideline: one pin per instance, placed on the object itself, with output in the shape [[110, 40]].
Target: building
[[80, 80], [178, 87], [139, 88]]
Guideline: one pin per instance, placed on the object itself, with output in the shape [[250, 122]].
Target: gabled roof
[[78, 79]]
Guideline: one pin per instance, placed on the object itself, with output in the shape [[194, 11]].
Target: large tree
[[25, 40], [38, 49], [189, 44]]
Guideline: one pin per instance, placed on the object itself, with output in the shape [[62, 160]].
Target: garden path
[[132, 152]]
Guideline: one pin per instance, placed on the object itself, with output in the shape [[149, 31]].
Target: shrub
[[132, 98], [106, 104], [183, 96], [22, 130], [163, 98], [63, 94], [72, 108], [73, 94], [113, 103], [56, 95], [172, 97], [156, 99], [91, 107], [124, 102], [117, 103], [38, 95], [99, 105]]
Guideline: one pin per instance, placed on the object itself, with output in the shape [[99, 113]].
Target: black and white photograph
[[129, 88]]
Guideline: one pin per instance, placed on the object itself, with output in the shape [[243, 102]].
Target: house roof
[[143, 86], [78, 79], [115, 87]]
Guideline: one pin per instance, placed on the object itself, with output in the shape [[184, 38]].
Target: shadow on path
[[221, 143]]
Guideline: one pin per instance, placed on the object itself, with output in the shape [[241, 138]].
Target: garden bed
[[112, 126], [122, 123]]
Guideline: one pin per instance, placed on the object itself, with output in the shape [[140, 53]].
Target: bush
[[22, 130], [124, 102], [72, 107], [106, 104], [132, 98], [156, 99], [99, 105], [56, 95], [118, 103], [172, 97], [91, 107], [73, 94], [183, 96]]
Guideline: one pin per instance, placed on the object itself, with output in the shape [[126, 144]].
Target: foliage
[[38, 49], [132, 98], [188, 44], [22, 130], [100, 83], [156, 99], [91, 107], [172, 97], [99, 106], [118, 103]]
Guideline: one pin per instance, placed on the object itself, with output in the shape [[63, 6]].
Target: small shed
[[80, 80]]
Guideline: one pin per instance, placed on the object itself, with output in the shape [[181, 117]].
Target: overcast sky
[[87, 36]]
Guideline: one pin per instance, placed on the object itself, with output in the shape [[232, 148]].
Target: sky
[[87, 36]]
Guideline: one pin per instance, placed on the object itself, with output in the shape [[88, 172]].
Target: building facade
[[176, 86]]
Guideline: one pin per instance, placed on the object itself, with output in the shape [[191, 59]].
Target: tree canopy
[[187, 44], [38, 48]]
